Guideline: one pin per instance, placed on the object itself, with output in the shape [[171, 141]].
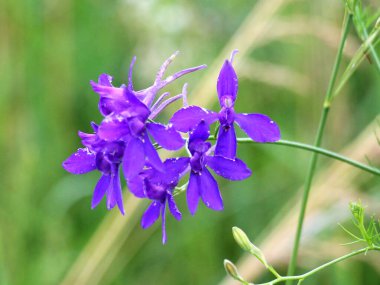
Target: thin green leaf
[[359, 56]]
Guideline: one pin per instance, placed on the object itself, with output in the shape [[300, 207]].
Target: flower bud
[[357, 211], [243, 241], [232, 270]]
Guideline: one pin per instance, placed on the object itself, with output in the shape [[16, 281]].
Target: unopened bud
[[377, 25], [232, 270], [357, 211], [241, 239], [244, 242]]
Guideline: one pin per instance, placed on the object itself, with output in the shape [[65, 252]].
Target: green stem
[[365, 34], [323, 266], [314, 159], [318, 150]]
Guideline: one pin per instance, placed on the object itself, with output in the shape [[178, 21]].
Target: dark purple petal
[[151, 155], [173, 208], [201, 132], [102, 163], [111, 199], [234, 169], [117, 192], [136, 186], [135, 106], [151, 215], [113, 128], [163, 217], [186, 119], [177, 166], [226, 142], [165, 136], [82, 161], [108, 106], [100, 189], [134, 158], [209, 191], [227, 85], [192, 192], [258, 127]]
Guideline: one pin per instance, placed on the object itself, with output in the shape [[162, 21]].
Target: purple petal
[[136, 186], [135, 106], [201, 132], [111, 199], [151, 155], [134, 158], [117, 192], [163, 217], [209, 191], [258, 127], [151, 215], [102, 163], [108, 106], [226, 142], [107, 91], [82, 161], [105, 79], [88, 140], [173, 208], [113, 128], [186, 119], [94, 126], [130, 82], [192, 192], [100, 189], [227, 85], [177, 165], [234, 169], [165, 136]]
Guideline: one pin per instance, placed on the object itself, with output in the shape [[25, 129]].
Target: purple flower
[[258, 127], [105, 157], [158, 187], [201, 183], [113, 100], [131, 126]]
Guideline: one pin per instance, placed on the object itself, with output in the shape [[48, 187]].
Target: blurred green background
[[50, 50]]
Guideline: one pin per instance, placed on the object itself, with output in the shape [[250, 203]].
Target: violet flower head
[[128, 128], [132, 126], [158, 187], [129, 114], [123, 137], [258, 127], [202, 185], [104, 156]]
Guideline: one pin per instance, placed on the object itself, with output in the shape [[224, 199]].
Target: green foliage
[[369, 231]]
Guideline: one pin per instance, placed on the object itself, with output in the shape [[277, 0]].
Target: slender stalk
[[309, 178], [319, 268], [318, 150], [365, 35]]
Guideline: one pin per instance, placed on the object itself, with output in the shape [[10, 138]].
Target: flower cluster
[[124, 139]]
